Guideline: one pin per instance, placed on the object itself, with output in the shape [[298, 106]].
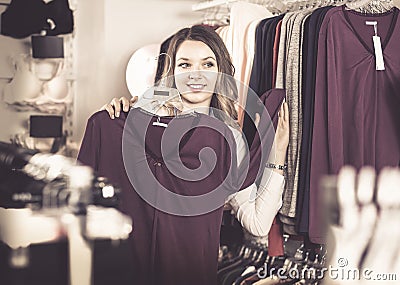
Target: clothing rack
[[283, 6], [207, 5]]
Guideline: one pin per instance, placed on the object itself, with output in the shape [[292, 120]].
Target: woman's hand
[[282, 131], [281, 140], [114, 107]]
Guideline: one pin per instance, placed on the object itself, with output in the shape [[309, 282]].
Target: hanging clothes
[[276, 52], [242, 14], [260, 73], [356, 106], [310, 50], [292, 81], [252, 60], [24, 18]]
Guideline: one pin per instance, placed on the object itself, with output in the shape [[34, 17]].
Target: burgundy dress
[[356, 119]]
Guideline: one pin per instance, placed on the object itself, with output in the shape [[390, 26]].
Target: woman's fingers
[[285, 108], [133, 100], [116, 103], [125, 102], [283, 116], [110, 110]]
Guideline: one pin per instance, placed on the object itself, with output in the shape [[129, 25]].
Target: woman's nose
[[195, 74]]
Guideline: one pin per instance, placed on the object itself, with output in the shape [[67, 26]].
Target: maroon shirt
[[167, 248], [356, 119]]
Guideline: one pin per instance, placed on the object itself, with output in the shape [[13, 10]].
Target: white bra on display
[[141, 69], [27, 87]]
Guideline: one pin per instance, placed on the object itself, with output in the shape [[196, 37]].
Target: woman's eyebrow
[[206, 58], [209, 57]]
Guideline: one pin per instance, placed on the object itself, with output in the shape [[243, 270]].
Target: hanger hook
[[169, 64]]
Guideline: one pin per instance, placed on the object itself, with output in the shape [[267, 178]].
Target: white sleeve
[[256, 208]]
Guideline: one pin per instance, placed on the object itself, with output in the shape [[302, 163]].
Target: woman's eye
[[183, 65], [208, 64]]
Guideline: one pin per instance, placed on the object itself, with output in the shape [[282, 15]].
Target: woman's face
[[196, 73]]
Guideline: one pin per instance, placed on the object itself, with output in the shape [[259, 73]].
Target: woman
[[197, 55]]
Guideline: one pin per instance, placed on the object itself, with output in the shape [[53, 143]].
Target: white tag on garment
[[373, 23], [380, 64]]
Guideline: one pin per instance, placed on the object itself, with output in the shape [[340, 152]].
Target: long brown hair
[[226, 95]]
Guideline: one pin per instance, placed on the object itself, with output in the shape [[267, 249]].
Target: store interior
[[334, 63]]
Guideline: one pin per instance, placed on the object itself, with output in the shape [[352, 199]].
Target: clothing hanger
[[159, 123], [370, 6], [215, 17], [162, 99]]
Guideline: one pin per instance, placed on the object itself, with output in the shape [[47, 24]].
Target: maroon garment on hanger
[[356, 119], [167, 249], [276, 52]]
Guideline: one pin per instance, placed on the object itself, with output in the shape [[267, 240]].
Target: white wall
[[107, 32]]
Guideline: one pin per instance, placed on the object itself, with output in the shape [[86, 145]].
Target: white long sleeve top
[[256, 207]]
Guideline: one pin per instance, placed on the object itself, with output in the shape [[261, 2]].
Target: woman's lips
[[196, 87]]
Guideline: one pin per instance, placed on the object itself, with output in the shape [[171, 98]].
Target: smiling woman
[[176, 240], [196, 73], [199, 57]]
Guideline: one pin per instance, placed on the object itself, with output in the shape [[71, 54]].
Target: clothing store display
[[242, 14], [24, 18], [282, 56], [209, 202], [356, 110], [295, 58], [45, 126], [292, 81], [276, 52], [253, 264], [248, 62], [26, 87], [310, 50], [257, 83], [261, 71], [47, 47], [293, 84]]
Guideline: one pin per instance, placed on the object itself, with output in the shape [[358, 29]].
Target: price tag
[[379, 62]]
